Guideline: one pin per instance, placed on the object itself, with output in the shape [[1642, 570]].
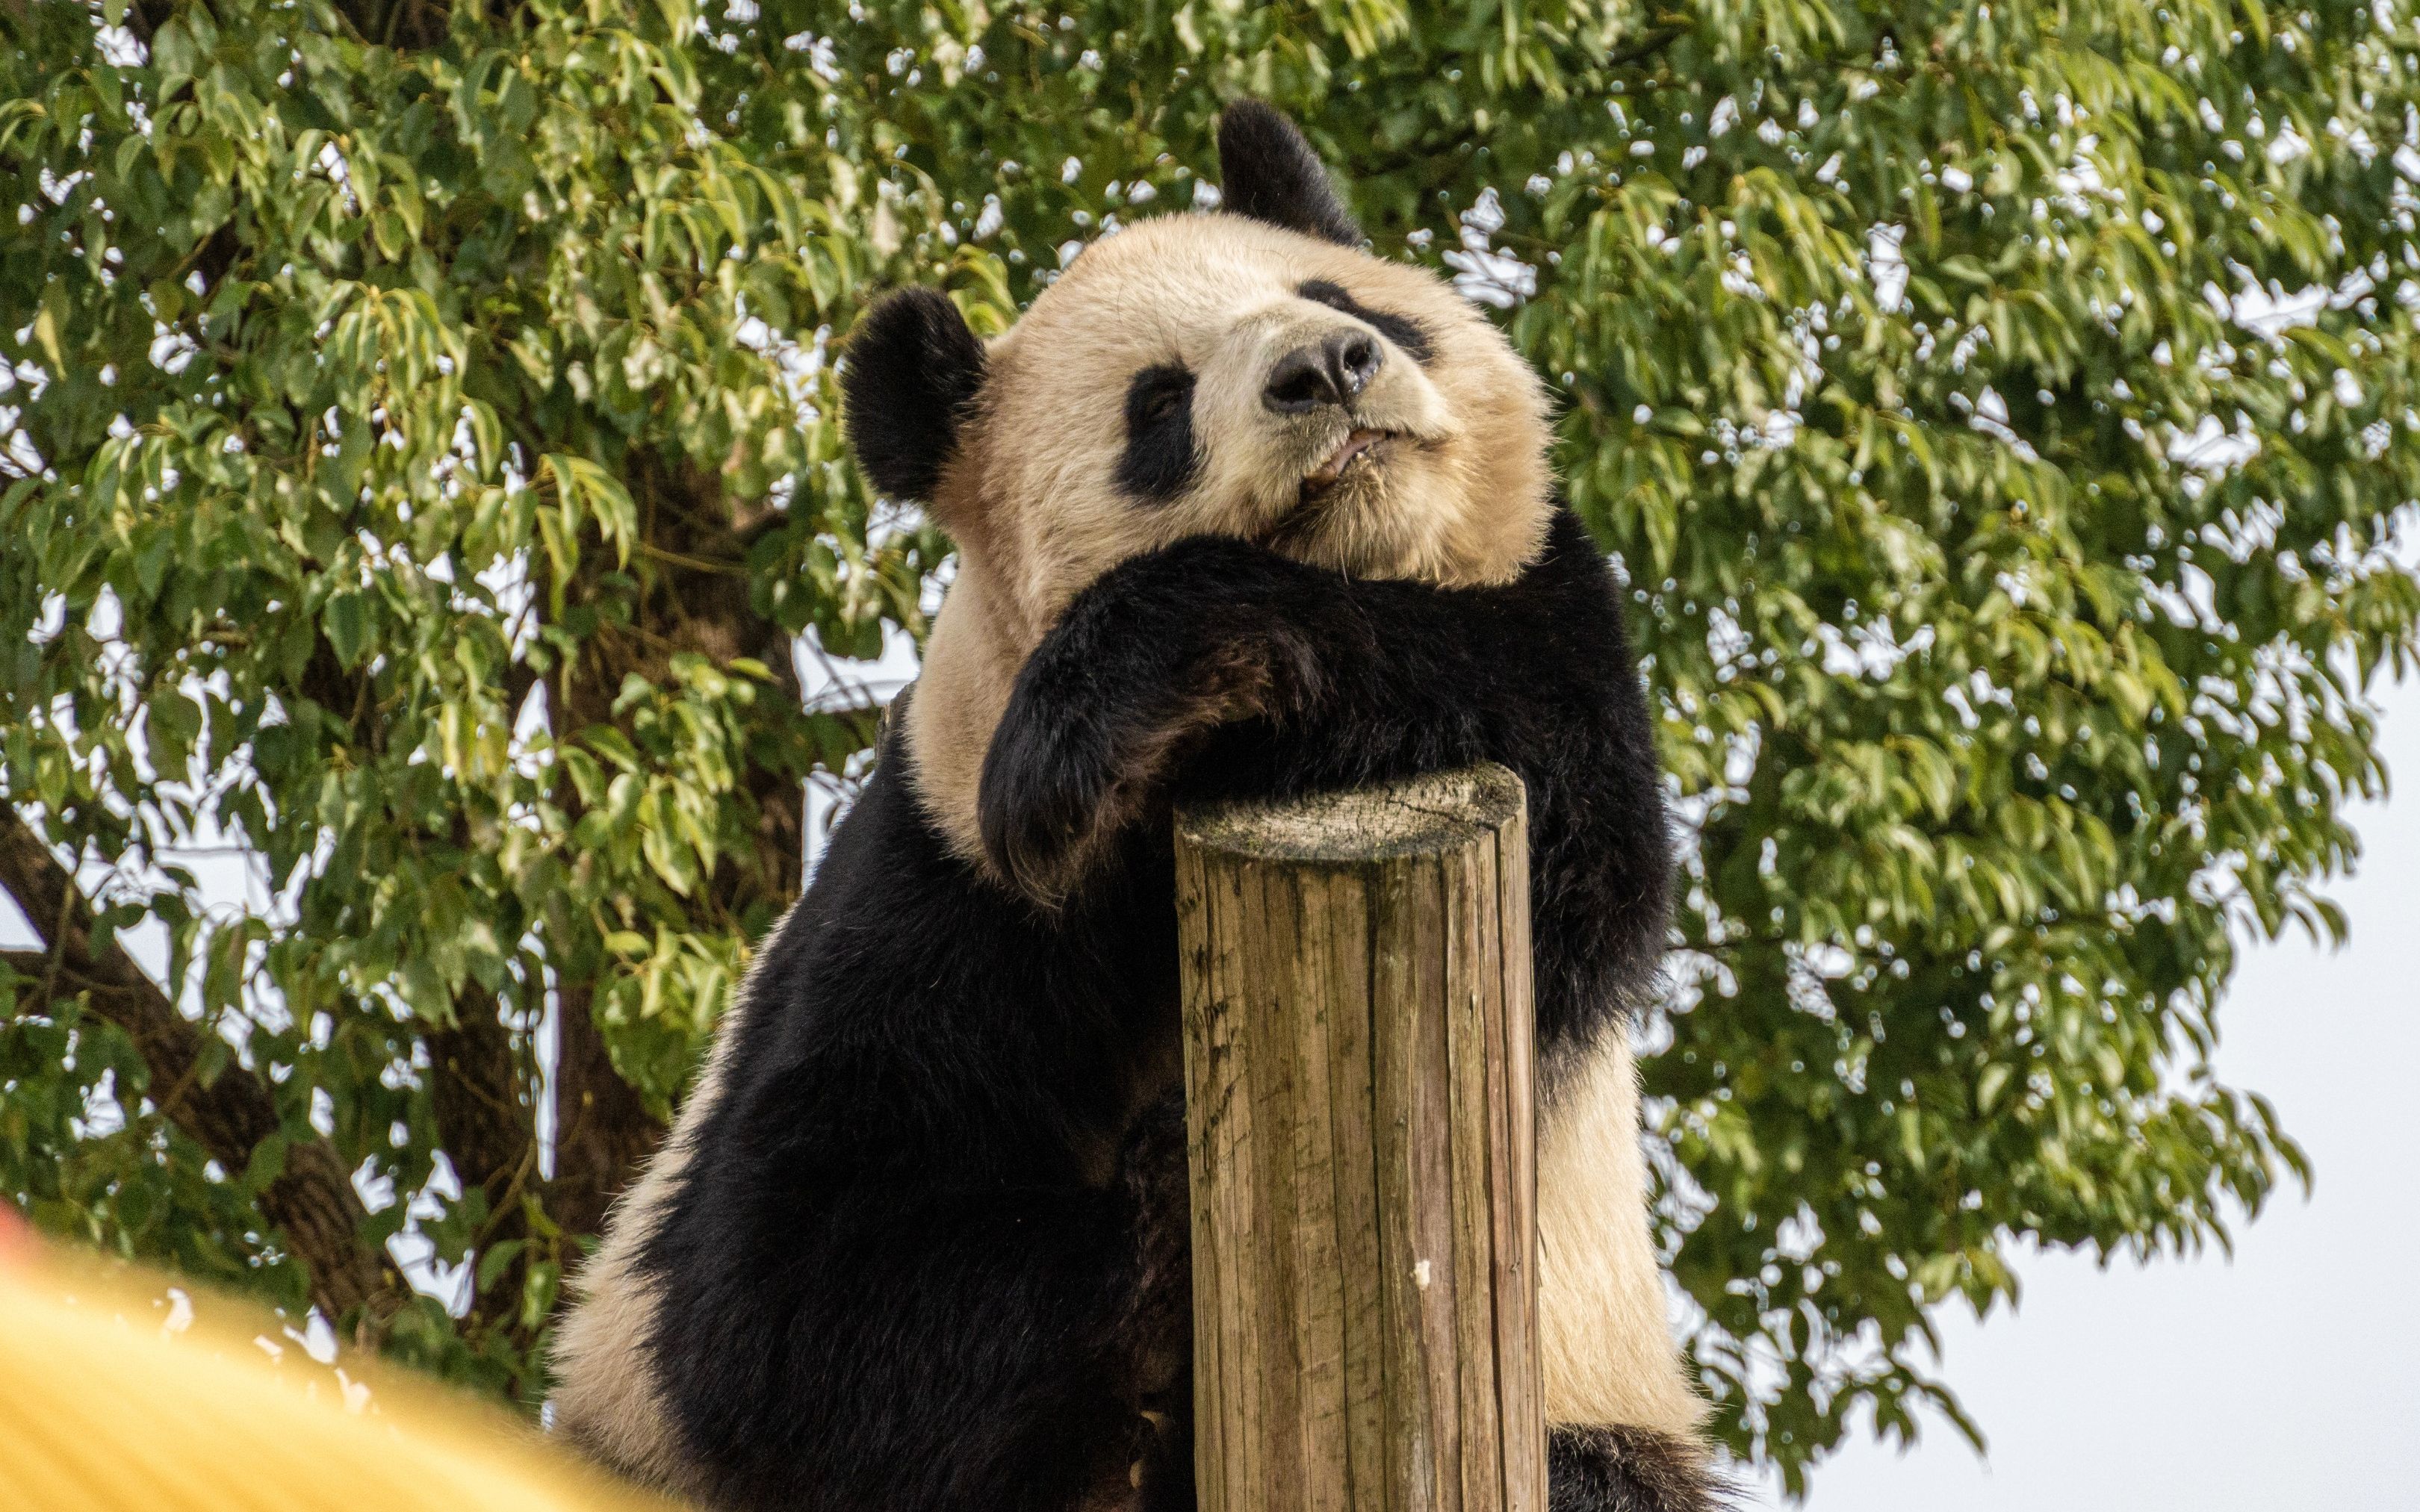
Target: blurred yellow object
[[109, 1404]]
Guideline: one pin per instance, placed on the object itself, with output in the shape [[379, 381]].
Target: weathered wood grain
[[1363, 1145]]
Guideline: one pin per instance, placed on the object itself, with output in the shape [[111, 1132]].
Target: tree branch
[[1654, 41], [311, 1202]]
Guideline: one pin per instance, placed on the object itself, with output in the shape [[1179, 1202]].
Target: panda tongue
[[1358, 442]]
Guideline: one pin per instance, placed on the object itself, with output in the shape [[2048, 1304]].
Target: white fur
[[1602, 1330], [605, 1397]]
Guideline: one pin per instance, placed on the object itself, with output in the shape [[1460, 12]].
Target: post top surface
[[1439, 811]]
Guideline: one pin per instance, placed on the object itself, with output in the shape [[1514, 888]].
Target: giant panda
[[1240, 509]]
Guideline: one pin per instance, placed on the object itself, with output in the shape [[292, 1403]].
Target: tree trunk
[[1357, 1052]]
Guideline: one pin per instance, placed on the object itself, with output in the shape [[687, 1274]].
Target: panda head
[[1249, 372]]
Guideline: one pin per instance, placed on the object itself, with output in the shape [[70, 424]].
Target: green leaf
[[346, 620], [497, 1260]]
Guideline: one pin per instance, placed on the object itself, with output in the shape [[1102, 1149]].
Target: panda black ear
[[1267, 172], [914, 372]]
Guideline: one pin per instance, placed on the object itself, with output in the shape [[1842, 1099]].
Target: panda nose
[[1329, 371]]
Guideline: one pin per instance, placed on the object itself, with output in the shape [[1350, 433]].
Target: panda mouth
[[1361, 451], [1359, 448]]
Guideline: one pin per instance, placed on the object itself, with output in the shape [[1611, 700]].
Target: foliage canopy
[[420, 464]]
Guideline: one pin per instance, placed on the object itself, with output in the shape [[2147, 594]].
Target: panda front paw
[[1142, 666], [1053, 799], [1067, 776]]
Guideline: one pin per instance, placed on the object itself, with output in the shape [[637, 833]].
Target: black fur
[[913, 375], [1160, 460], [930, 1251], [1267, 171], [1401, 330], [1629, 1469]]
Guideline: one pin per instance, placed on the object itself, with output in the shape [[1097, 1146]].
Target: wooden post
[[1358, 1054]]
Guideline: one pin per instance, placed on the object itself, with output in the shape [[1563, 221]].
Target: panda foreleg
[[1359, 680]]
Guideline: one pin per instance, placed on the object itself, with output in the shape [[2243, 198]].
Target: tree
[[423, 467]]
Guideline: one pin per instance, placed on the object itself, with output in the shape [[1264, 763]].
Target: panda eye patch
[[1160, 461], [1402, 330]]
